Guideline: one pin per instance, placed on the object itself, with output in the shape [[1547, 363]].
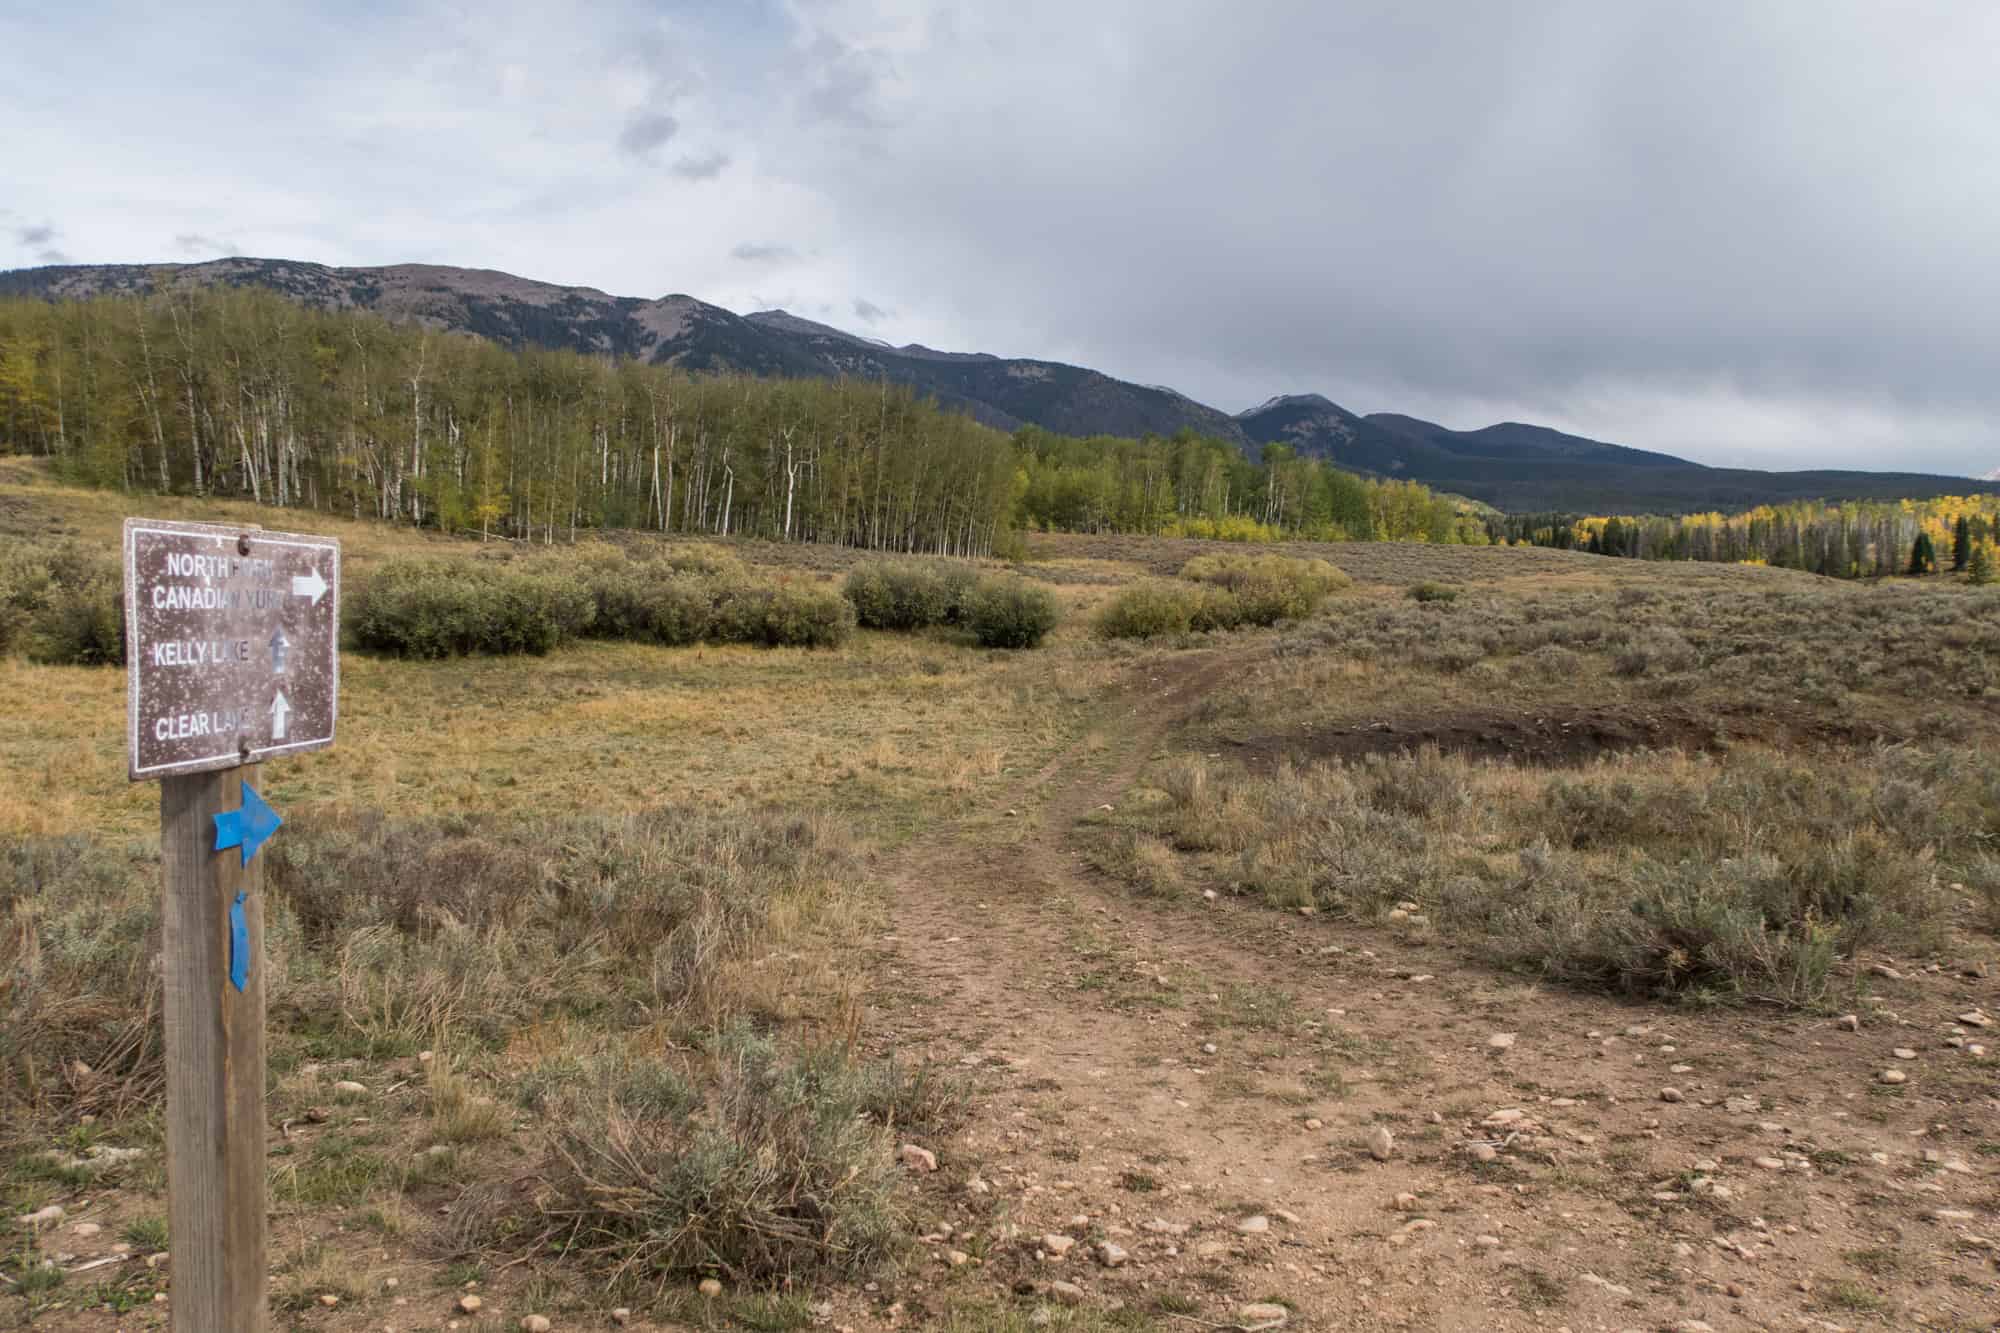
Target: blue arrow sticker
[[239, 945], [249, 828]]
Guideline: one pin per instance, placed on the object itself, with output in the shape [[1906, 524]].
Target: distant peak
[[1291, 400]]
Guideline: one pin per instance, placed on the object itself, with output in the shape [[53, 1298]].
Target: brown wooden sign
[[232, 642]]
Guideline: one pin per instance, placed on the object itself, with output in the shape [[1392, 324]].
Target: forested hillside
[[237, 391], [678, 330], [1854, 540]]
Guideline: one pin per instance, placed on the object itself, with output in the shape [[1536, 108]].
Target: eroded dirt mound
[[1548, 739]]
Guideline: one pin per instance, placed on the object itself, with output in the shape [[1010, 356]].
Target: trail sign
[[232, 639], [232, 656]]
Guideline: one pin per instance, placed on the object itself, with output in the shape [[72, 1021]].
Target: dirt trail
[[1155, 1073]]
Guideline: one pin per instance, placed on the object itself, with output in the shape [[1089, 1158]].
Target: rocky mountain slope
[[1523, 468]]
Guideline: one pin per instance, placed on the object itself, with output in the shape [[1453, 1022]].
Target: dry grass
[[1667, 780]]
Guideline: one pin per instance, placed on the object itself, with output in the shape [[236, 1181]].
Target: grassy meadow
[[584, 928]]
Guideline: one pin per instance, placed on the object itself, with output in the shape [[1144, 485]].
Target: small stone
[[535, 1323], [1484, 1152], [917, 1159], [1208, 895], [1487, 1242], [622, 1315], [328, 1299], [1976, 1018], [1111, 1255], [1208, 1048], [347, 1087], [1884, 970], [1770, 1164], [1315, 1123], [1381, 1143], [1852, 1022], [957, 1258], [1904, 1053], [1262, 1315], [42, 1217], [1066, 1292], [1406, 1203], [710, 1287], [1255, 1225], [469, 1304], [1500, 1119], [1055, 1244], [1501, 1041], [1892, 1076], [1670, 1095], [85, 1230]]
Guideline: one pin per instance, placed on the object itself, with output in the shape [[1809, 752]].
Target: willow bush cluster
[[1221, 592], [448, 608]]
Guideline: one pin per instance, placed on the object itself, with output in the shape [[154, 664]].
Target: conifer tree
[[1923, 555], [1980, 569], [1961, 543]]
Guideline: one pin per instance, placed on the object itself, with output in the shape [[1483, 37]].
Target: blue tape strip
[[239, 945]]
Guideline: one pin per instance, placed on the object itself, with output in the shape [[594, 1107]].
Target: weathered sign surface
[[232, 644]]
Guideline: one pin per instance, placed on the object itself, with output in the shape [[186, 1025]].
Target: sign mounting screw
[[243, 544]]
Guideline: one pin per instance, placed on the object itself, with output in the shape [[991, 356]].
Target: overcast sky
[[1765, 233]]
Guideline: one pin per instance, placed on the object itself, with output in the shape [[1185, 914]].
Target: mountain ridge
[[1514, 466]]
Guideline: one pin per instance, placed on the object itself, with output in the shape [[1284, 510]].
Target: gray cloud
[[51, 256], [841, 84], [1763, 236], [647, 132], [194, 243], [1552, 208], [750, 252], [703, 168], [868, 312], [32, 236]]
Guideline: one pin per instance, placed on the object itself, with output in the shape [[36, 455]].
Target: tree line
[[1200, 486], [240, 392], [1858, 539]]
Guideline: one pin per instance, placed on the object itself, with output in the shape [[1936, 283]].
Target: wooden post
[[215, 1063]]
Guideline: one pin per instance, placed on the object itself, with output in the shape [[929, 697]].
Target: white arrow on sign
[[281, 709], [309, 585]]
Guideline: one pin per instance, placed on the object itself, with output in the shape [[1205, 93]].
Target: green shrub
[[700, 558], [61, 604], [910, 594], [677, 611], [449, 608], [1011, 613], [1150, 608], [780, 615], [1432, 592], [1267, 589]]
